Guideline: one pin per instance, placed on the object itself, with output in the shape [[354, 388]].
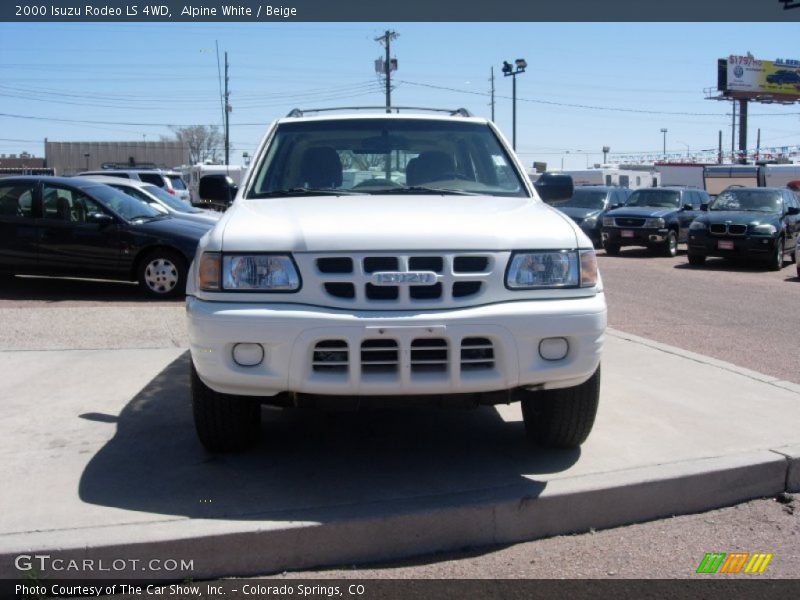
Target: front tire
[[562, 418], [776, 261], [162, 274], [224, 423], [670, 247]]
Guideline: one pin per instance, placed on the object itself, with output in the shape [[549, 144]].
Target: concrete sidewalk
[[100, 461]]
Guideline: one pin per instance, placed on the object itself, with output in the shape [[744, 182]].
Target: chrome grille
[[727, 228], [628, 222]]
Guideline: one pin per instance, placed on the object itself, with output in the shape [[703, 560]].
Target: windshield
[[386, 156], [127, 207], [657, 198], [767, 201], [170, 200], [177, 182], [595, 199]]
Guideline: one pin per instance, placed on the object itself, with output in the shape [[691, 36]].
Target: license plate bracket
[[725, 244], [626, 233]]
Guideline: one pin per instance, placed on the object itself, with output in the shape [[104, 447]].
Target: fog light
[[248, 355], [553, 348]]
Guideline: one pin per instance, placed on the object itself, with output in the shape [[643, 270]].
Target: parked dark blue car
[[757, 223], [588, 205], [657, 218], [80, 228]]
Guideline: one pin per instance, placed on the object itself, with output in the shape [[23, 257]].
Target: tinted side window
[[153, 178], [65, 204], [16, 200]]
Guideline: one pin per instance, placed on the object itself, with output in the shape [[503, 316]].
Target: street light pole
[[664, 131], [509, 71]]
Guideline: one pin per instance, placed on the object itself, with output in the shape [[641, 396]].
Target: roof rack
[[300, 112]]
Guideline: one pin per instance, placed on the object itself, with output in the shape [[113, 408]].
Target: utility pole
[[758, 144], [492, 80], [733, 133], [227, 115], [719, 146], [743, 130], [386, 40]]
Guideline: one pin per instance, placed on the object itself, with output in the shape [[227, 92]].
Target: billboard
[[746, 76]]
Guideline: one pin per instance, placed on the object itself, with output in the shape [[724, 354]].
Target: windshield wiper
[[417, 189], [304, 191]]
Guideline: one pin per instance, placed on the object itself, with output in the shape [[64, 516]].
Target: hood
[[739, 217], [169, 226], [385, 223], [641, 211], [577, 212], [206, 217]]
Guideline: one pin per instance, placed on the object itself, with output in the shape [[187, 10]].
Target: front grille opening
[[374, 264], [425, 292], [470, 264], [382, 292], [330, 356], [737, 229], [477, 354], [426, 263], [379, 356], [428, 355], [717, 228], [341, 290], [629, 222], [336, 264], [466, 288]]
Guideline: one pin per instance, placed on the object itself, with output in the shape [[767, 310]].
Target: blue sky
[[166, 73]]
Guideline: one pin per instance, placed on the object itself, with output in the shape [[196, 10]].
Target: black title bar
[[254, 11]]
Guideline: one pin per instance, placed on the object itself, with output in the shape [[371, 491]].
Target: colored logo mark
[[735, 562]]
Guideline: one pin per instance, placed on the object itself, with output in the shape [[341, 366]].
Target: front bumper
[[289, 334], [640, 236], [755, 246]]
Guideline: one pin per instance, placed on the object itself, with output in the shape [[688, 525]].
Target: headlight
[[262, 272], [765, 229], [552, 269], [590, 221], [654, 223], [696, 225], [608, 221]]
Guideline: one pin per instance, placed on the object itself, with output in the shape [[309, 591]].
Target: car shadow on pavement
[[310, 465], [57, 289], [731, 265], [637, 252]]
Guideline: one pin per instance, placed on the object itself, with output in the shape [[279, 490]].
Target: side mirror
[[218, 188], [613, 206], [688, 207], [99, 218], [554, 187], [792, 210], [704, 206]]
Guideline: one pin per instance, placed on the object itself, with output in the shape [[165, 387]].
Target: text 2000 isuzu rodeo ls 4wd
[[390, 256]]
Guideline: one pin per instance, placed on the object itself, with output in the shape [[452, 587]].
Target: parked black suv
[[760, 223], [68, 226], [588, 205], [657, 218]]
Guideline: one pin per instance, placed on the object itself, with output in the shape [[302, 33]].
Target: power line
[[583, 106]]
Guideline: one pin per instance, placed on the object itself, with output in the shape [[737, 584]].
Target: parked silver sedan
[[158, 199]]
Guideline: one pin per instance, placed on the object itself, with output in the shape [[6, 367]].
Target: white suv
[[392, 258]]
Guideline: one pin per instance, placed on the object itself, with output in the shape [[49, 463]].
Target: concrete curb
[[374, 532], [792, 455]]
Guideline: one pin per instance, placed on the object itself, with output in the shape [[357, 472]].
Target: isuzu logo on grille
[[404, 278]]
